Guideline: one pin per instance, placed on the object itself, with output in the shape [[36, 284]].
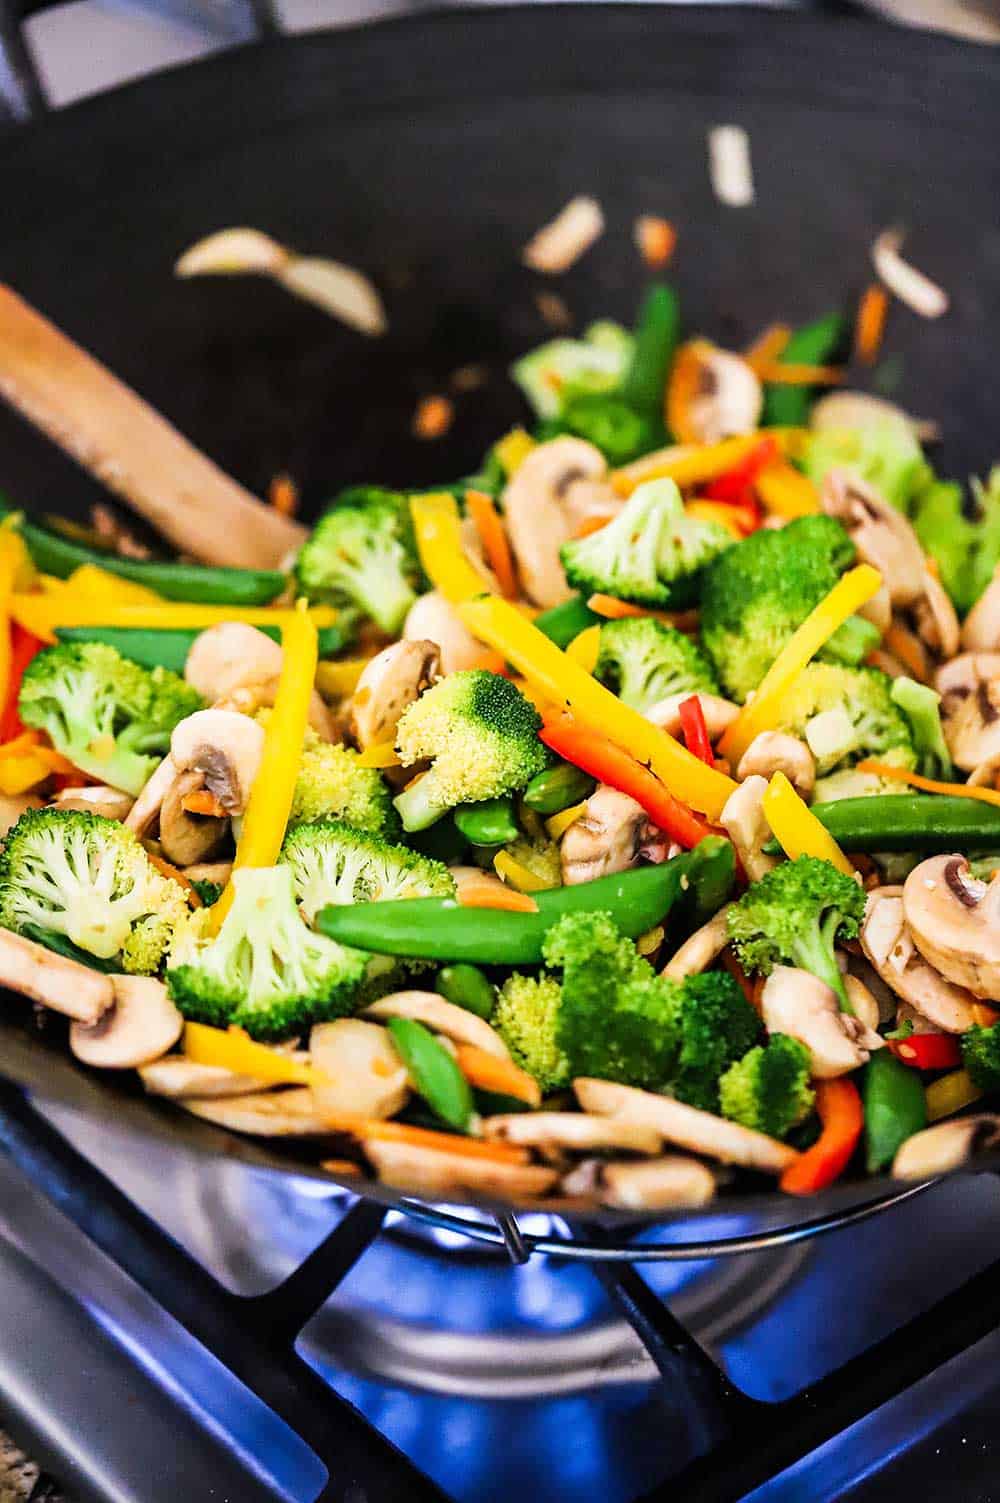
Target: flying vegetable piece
[[794, 916], [79, 875], [846, 715], [482, 736], [332, 863], [643, 661], [768, 1089], [110, 717], [265, 971], [361, 555]]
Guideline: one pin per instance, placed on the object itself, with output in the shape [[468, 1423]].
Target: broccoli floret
[[981, 1055], [850, 783], [265, 971], [361, 555], [525, 1017], [574, 367], [332, 863], [922, 707], [331, 785], [643, 661], [852, 642], [845, 715], [886, 456], [758, 592], [717, 1025], [794, 916], [768, 1089], [482, 736], [963, 537], [110, 717], [88, 878]]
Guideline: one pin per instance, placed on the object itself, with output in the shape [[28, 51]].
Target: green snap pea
[[467, 987], [610, 425], [656, 335], [925, 822], [814, 344], [440, 929], [60, 945], [433, 1071], [557, 788], [168, 648], [895, 1107], [564, 622], [491, 822]]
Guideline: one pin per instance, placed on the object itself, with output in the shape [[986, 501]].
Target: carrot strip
[[496, 546], [203, 802], [488, 1073], [792, 374], [839, 1106], [167, 869], [495, 894], [423, 1137], [930, 785], [869, 328], [910, 652], [655, 239], [283, 495], [766, 348]]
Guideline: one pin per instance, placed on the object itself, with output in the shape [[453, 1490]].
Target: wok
[[427, 150]]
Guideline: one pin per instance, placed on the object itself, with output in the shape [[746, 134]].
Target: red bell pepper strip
[[736, 486], [24, 645], [608, 763], [696, 737], [928, 1051], [842, 1116]]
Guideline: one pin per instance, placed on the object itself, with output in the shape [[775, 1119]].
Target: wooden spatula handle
[[131, 449]]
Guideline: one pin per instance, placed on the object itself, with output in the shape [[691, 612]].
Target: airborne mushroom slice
[[389, 683], [744, 822], [556, 1134], [432, 618], [652, 1185], [142, 1025], [700, 949], [434, 1012], [365, 1075], [607, 838], [778, 751], [64, 985], [946, 1146], [433, 1171], [888, 944], [800, 1004], [953, 918], [538, 515]]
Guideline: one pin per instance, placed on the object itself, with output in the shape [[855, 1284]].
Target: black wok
[[426, 151]]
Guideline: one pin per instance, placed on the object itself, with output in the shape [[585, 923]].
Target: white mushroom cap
[[112, 803], [981, 627], [142, 1025], [269, 1114], [880, 532], [953, 919], [176, 1076], [888, 944], [232, 656], [655, 1184], [432, 618], [778, 751], [744, 822], [365, 1075], [538, 519], [729, 396], [969, 686], [946, 1146], [719, 713], [145, 811], [571, 1132], [389, 683], [225, 748], [800, 1004], [606, 839]]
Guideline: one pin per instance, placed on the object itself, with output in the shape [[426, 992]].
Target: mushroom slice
[[142, 1025], [888, 944], [433, 1171], [538, 519], [63, 985], [12, 806], [112, 803], [655, 1184], [713, 394], [234, 656], [946, 1146], [866, 1008], [778, 751], [880, 533], [146, 809], [687, 1126], [970, 708], [218, 872], [175, 1077], [364, 1073], [719, 713], [391, 681], [800, 1004], [953, 919], [268, 1114], [937, 622], [434, 1012], [188, 838], [700, 949], [608, 838], [743, 820], [556, 1134], [981, 627], [225, 748], [432, 618]]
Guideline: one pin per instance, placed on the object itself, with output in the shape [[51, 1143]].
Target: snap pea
[[198, 584], [926, 822], [440, 929], [814, 344], [60, 945], [467, 987], [895, 1107], [557, 788], [491, 822], [433, 1072], [564, 622], [153, 647], [610, 425], [656, 335]]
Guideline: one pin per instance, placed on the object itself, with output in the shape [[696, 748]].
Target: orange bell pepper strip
[[489, 1073], [840, 1111], [496, 546]]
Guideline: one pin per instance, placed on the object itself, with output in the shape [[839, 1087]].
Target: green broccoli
[[716, 1025], [981, 1055], [652, 553], [482, 736], [758, 592], [332, 863], [265, 970], [850, 783], [644, 661], [331, 785], [886, 456], [794, 916], [768, 1089], [853, 641], [594, 365], [89, 878], [110, 717], [922, 707], [963, 538], [361, 555], [845, 715], [526, 1017]]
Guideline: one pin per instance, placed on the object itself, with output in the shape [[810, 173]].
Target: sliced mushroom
[[946, 1146], [391, 681], [111, 803], [719, 713], [365, 1075], [434, 1012], [433, 1171], [188, 838], [142, 1025], [218, 872], [234, 656], [744, 822], [907, 1017], [722, 394], [63, 985], [608, 838], [652, 1185], [556, 1134], [777, 751], [880, 532], [888, 944], [981, 627], [538, 517], [878, 610], [935, 617], [175, 1077], [700, 949], [12, 806], [799, 1004], [697, 1131], [969, 686], [146, 809], [432, 618], [953, 918], [866, 1008], [269, 1114], [225, 748]]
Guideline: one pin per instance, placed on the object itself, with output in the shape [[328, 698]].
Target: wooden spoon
[[109, 430]]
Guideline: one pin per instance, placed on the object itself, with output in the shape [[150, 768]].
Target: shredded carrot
[[496, 547], [433, 417], [930, 785], [167, 869], [423, 1137], [488, 1073], [984, 1016], [487, 894], [766, 348], [869, 326], [593, 524], [910, 652], [793, 374], [283, 495], [615, 610], [655, 239], [203, 802]]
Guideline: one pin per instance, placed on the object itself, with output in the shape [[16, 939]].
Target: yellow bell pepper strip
[[41, 614], [270, 801], [796, 828], [949, 1094], [517, 875], [513, 449], [233, 1049], [584, 648], [20, 774], [91, 582], [929, 785], [337, 680], [557, 825], [786, 492], [437, 527], [763, 711], [564, 683], [380, 754]]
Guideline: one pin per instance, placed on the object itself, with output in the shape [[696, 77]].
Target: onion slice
[[904, 281]]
